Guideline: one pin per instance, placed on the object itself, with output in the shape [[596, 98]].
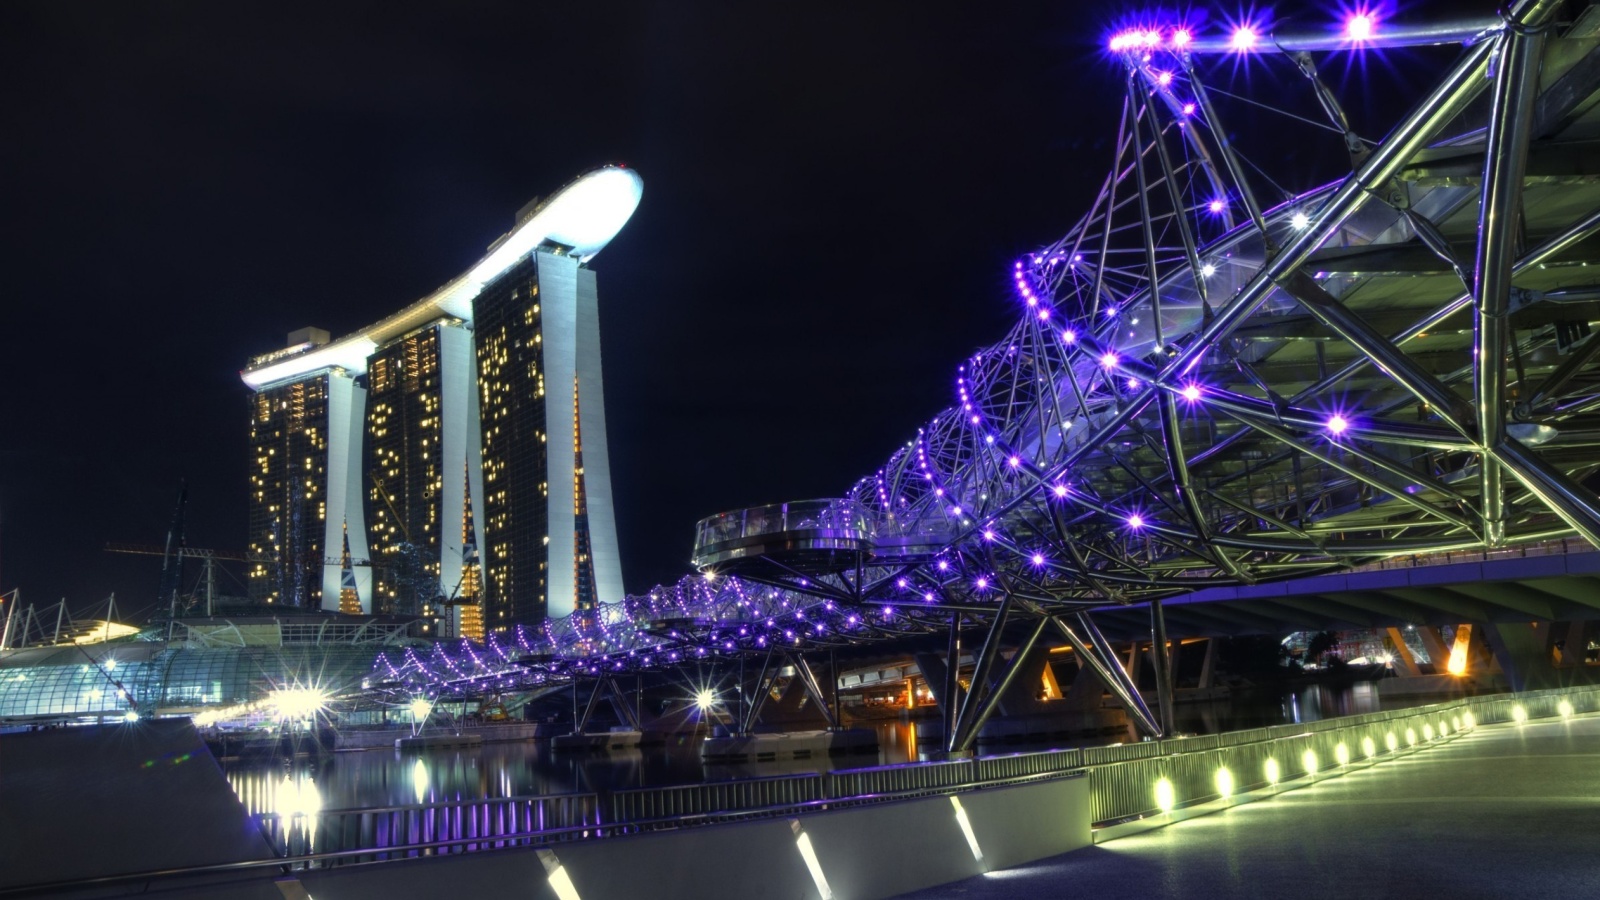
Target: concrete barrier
[[863, 853]]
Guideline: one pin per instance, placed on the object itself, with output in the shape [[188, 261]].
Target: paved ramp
[[1505, 811]]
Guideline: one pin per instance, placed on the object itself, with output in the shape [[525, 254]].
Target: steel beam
[[1510, 121], [1576, 505], [982, 667], [1097, 653], [991, 700], [1163, 659], [813, 687], [1458, 89]]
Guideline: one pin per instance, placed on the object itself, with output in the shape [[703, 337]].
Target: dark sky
[[832, 198]]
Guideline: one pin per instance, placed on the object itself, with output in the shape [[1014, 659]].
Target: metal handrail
[[1118, 788]]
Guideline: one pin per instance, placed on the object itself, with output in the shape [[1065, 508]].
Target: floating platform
[[437, 741], [598, 742], [788, 745]]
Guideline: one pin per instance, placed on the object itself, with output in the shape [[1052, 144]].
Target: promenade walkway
[[1503, 811]]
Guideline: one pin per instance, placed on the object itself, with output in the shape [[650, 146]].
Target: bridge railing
[[1123, 779], [1560, 547], [1122, 783], [650, 803], [430, 828]]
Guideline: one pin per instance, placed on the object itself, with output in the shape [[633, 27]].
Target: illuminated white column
[[347, 412], [462, 453], [603, 552], [558, 317]]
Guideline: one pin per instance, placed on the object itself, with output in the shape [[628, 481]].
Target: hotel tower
[[450, 460]]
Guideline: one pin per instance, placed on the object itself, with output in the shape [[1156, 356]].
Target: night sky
[[833, 196]]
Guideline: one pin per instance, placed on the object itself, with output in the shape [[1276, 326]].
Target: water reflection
[[419, 780], [374, 778], [1256, 708]]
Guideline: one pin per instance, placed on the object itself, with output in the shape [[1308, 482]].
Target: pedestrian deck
[[1502, 811]]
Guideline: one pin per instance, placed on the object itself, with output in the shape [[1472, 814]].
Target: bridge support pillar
[[932, 668], [1208, 666], [1433, 645], [1162, 655], [1403, 660], [1022, 696], [1087, 687], [1523, 652]]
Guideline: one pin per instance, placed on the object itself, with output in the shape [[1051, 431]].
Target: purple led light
[[1191, 393], [1109, 360], [1133, 383], [901, 583], [1135, 521], [944, 565], [1181, 37], [1164, 78], [1038, 559], [1060, 490], [1014, 461], [1188, 109], [1217, 206], [1360, 27], [982, 583], [988, 535], [1068, 336], [1337, 424], [1244, 39]]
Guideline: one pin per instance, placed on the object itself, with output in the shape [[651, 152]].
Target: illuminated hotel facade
[[456, 448]]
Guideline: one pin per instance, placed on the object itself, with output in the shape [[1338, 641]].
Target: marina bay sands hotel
[[450, 460]]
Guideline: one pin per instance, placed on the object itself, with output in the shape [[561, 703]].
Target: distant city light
[[297, 703]]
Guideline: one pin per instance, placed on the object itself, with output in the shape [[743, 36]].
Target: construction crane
[[208, 561]]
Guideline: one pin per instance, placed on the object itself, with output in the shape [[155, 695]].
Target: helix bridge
[[1213, 379]]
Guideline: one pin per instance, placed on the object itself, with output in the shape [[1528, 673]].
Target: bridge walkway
[[1505, 811]]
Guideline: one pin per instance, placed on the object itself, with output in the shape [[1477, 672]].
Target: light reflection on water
[[375, 778]]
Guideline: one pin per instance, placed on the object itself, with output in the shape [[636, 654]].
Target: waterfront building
[[305, 473], [422, 450], [461, 439]]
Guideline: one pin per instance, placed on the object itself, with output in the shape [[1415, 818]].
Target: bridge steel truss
[[1203, 389]]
